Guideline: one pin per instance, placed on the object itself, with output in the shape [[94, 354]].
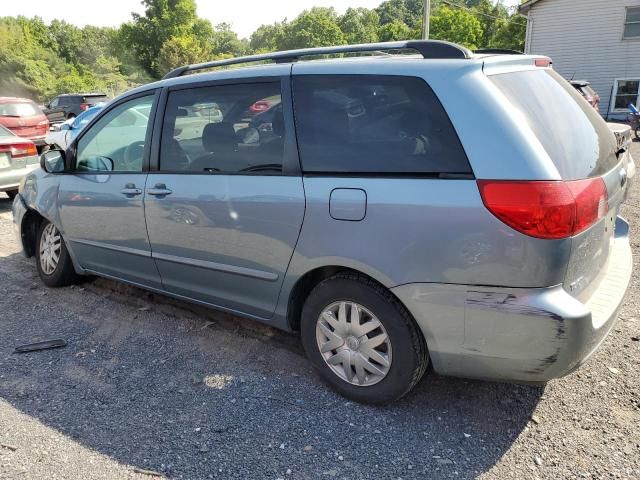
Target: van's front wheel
[[362, 340], [52, 258]]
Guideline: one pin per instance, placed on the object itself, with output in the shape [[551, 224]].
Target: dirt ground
[[147, 384]]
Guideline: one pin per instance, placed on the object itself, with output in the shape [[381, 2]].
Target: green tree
[[316, 27], [408, 12], [511, 34], [163, 20], [266, 38], [456, 25], [180, 50], [359, 25], [396, 30], [226, 42]]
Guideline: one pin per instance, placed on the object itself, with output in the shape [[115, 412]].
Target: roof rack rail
[[499, 51], [429, 49]]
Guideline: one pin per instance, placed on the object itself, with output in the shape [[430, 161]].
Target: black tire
[[12, 194], [64, 274], [409, 350]]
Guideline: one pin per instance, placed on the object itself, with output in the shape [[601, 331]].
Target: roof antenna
[[574, 74]]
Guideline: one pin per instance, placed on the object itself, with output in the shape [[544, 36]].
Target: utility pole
[[425, 19]]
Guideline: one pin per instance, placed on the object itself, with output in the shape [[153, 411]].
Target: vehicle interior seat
[[220, 142]]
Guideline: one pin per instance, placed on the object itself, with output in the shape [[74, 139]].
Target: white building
[[593, 40]]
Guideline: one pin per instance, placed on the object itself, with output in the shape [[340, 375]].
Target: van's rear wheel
[[52, 257], [362, 340]]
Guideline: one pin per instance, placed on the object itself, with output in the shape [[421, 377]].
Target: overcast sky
[[244, 15]]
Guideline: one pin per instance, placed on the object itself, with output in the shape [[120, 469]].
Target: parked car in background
[[24, 118], [61, 135], [18, 156], [68, 106], [393, 214], [589, 94]]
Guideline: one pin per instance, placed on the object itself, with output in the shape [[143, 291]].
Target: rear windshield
[[19, 109], [571, 131]]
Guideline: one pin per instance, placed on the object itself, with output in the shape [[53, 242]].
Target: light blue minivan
[[406, 203]]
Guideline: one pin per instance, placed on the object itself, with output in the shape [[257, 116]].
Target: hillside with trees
[[40, 60]]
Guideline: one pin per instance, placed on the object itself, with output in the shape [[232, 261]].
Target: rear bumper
[[514, 334]]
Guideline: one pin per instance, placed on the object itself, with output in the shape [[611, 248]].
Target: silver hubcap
[[50, 246], [353, 343]]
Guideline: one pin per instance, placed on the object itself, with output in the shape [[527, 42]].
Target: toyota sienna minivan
[[400, 205]]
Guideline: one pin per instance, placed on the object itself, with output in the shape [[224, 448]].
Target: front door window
[[117, 141]]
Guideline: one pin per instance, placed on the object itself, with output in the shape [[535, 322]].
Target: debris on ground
[[45, 345], [151, 473]]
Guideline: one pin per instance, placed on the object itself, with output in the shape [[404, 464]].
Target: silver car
[[440, 207], [18, 157]]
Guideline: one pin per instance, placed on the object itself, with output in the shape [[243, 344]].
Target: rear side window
[[19, 109], [571, 131], [224, 129], [93, 99], [374, 124], [4, 133]]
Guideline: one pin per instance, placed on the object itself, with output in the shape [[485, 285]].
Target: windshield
[[571, 131], [84, 118], [19, 109]]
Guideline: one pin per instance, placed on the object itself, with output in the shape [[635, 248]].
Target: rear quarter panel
[[435, 230]]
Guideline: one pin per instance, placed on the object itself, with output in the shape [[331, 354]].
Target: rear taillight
[[19, 150], [84, 106], [542, 62], [546, 209]]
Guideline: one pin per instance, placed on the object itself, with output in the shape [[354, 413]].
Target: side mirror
[[52, 161]]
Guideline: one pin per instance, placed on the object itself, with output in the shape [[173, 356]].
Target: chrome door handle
[[130, 190], [159, 190]]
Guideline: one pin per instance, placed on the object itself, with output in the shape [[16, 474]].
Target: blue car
[[63, 134], [446, 207]]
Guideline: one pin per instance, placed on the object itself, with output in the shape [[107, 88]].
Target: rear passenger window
[[374, 124], [225, 128]]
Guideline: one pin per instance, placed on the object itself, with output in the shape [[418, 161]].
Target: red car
[[24, 118]]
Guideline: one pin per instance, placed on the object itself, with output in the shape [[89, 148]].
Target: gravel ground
[[148, 383]]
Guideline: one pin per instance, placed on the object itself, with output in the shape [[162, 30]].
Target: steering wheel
[[133, 156]]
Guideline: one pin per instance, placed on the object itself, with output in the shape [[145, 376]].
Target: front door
[[101, 208], [225, 206]]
